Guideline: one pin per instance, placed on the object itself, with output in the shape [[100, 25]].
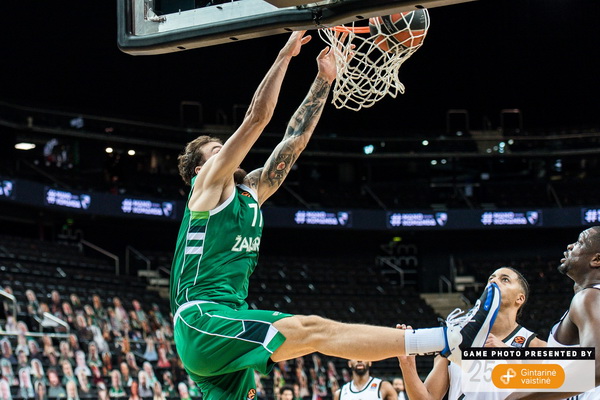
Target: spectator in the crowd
[[145, 387], [97, 379], [146, 330], [123, 346], [99, 339], [150, 354], [286, 393], [183, 391], [140, 313], [301, 377], [103, 392], [134, 391], [398, 385], [55, 390], [99, 311], [158, 392], [90, 315], [147, 367], [72, 393], [84, 384], [120, 312], [84, 333], [5, 390], [25, 385], [48, 346], [278, 380], [116, 387], [98, 307], [11, 324], [67, 313], [132, 363], [113, 322], [22, 361], [160, 319], [22, 345], [7, 372], [22, 328], [66, 354], [163, 361], [8, 305], [168, 385], [106, 363], [164, 342], [34, 350], [68, 374], [7, 351], [332, 372], [260, 389], [42, 309], [32, 302], [41, 392], [55, 304], [53, 359], [93, 357], [76, 302], [193, 389], [126, 377], [319, 387], [134, 323], [73, 342], [37, 371], [80, 364]]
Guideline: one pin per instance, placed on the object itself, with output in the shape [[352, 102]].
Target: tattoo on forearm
[[307, 115], [280, 164], [303, 122]]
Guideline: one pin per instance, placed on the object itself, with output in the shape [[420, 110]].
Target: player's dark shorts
[[221, 347]]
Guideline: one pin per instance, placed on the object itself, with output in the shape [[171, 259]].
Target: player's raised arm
[[266, 180], [221, 162]]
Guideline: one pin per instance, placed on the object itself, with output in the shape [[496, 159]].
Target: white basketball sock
[[424, 341]]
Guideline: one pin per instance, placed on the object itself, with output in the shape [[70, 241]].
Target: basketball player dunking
[[363, 386], [219, 340], [445, 377], [580, 325]]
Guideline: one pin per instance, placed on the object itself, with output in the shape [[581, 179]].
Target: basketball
[[406, 29]]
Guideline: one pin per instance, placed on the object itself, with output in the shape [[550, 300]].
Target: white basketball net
[[367, 73]]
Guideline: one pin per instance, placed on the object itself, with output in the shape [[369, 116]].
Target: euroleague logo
[[518, 341], [251, 394]]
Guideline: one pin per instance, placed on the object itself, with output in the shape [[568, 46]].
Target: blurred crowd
[[118, 350]]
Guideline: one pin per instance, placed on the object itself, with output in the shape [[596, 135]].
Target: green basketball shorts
[[221, 347]]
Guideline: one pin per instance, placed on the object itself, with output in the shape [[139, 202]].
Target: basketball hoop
[[367, 66]]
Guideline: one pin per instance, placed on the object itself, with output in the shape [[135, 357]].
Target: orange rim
[[355, 29]]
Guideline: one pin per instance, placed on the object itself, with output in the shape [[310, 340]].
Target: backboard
[[148, 27]]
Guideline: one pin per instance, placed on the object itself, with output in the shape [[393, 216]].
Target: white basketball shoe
[[473, 328]]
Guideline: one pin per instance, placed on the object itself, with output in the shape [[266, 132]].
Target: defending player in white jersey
[[363, 386], [445, 377], [580, 325]]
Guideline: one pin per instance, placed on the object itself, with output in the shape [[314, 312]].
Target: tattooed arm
[[266, 180]]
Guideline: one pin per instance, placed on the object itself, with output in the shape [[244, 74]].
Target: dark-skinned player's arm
[[583, 312]]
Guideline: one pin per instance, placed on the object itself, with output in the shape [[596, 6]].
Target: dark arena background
[[394, 214]]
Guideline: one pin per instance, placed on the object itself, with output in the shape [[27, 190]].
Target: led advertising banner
[[7, 189], [66, 199], [24, 192]]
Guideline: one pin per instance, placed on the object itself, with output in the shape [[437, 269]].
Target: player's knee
[[304, 328], [316, 328]]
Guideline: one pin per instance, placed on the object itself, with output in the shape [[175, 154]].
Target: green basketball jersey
[[217, 251]]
